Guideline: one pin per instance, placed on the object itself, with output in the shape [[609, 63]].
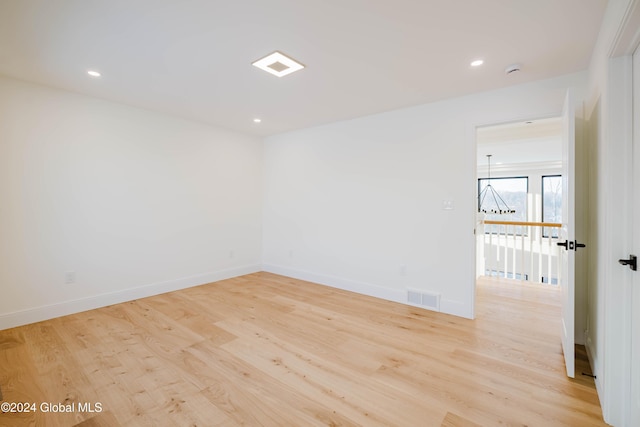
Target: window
[[513, 191], [551, 203]]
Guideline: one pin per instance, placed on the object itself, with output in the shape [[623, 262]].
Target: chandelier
[[501, 206]]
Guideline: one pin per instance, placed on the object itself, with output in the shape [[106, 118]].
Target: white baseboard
[[455, 308], [446, 306], [37, 314], [593, 362], [45, 312], [339, 283]]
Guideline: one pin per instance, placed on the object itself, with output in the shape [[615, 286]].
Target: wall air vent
[[423, 299]]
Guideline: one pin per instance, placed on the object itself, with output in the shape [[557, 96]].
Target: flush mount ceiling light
[[257, 120], [278, 64], [477, 63], [94, 73]]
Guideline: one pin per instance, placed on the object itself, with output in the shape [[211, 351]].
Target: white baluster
[[494, 254], [523, 276], [514, 251], [506, 250], [549, 258], [539, 240], [531, 237]]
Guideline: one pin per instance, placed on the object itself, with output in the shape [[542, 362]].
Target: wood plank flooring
[[267, 350]]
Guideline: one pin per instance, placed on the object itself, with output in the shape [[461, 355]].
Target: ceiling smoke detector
[[512, 68]]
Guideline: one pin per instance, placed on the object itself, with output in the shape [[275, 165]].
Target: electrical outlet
[[70, 277]]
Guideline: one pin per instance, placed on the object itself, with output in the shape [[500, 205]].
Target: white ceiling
[[530, 142], [192, 58]]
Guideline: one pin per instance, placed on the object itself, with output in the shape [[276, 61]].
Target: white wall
[[358, 204], [135, 202], [609, 124]]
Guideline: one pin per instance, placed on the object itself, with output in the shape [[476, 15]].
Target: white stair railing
[[519, 250]]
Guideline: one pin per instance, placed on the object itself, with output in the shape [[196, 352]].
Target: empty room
[[336, 213]]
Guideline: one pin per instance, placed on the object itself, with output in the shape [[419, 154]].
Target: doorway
[[519, 167], [519, 230]]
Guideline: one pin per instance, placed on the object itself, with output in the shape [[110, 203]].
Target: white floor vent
[[423, 299]]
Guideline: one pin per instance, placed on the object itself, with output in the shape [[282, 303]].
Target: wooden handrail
[[534, 224]]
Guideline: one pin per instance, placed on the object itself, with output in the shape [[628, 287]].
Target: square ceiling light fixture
[[278, 64]]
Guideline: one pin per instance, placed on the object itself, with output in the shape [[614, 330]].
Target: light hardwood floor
[[266, 350]]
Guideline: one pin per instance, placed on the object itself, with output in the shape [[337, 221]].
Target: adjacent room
[[275, 213]]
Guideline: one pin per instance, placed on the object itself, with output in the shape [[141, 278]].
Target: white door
[[635, 247], [567, 235]]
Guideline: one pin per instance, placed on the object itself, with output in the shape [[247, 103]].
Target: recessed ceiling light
[[278, 64], [93, 73], [257, 120], [477, 63]]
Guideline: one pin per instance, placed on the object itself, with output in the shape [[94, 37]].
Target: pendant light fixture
[[501, 206]]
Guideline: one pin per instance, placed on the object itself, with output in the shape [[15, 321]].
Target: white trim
[[483, 170], [339, 283], [593, 362], [512, 120], [472, 135], [627, 37], [45, 312], [617, 169], [455, 308], [616, 381]]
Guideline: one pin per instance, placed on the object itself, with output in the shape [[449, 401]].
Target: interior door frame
[[614, 382], [474, 138], [634, 401], [576, 228], [568, 232]]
